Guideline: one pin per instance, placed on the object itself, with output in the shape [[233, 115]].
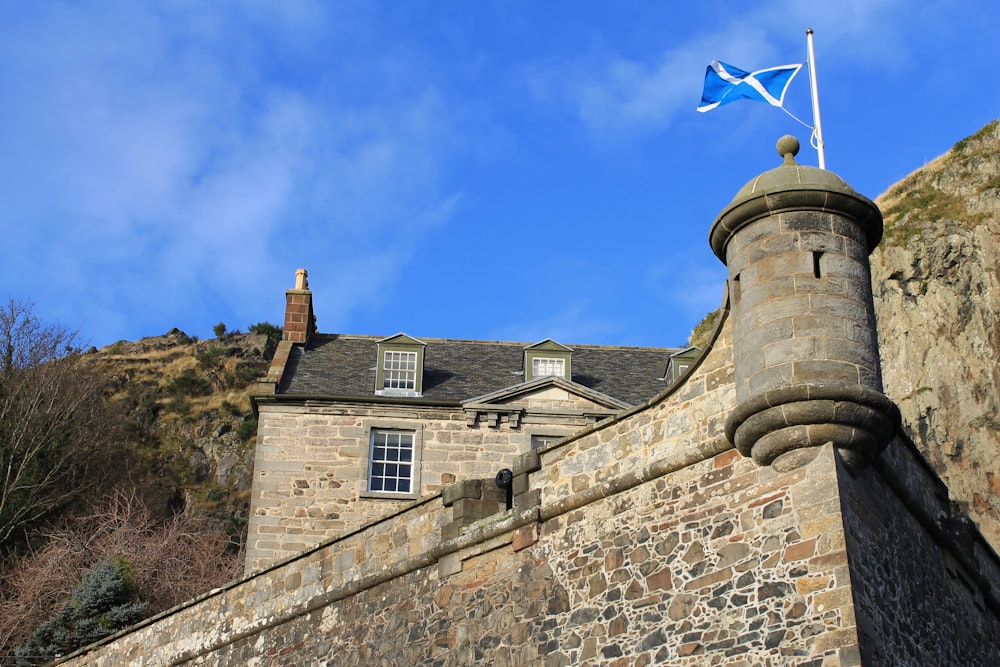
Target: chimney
[[300, 322]]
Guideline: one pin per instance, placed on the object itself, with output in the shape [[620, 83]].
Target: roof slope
[[456, 370]]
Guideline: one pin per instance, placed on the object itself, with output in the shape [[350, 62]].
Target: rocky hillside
[[936, 280], [189, 431]]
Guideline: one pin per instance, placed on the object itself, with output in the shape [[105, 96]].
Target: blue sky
[[510, 170]]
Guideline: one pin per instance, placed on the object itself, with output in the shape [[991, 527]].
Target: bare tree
[[172, 561], [51, 417]]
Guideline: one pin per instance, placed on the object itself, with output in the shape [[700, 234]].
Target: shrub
[[196, 553], [219, 329], [104, 603], [210, 358], [272, 331], [247, 430], [243, 375], [232, 408], [189, 384]]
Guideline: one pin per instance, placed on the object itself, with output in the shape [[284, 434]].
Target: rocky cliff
[[936, 280], [188, 432]]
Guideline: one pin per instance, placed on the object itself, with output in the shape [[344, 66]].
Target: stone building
[[766, 509], [352, 428]]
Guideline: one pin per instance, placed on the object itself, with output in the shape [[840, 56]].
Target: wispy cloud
[[151, 158], [623, 97]]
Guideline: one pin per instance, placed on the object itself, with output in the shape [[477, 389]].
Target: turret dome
[[798, 187]]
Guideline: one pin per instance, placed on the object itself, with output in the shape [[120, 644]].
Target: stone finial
[[788, 148], [301, 279]]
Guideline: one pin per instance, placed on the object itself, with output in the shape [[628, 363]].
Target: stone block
[[527, 500], [792, 349], [804, 220], [833, 304], [825, 326], [471, 509], [783, 265], [821, 241], [781, 286], [772, 245], [449, 565], [525, 536], [451, 530], [784, 307], [849, 350], [769, 378], [519, 484], [467, 488], [825, 372]]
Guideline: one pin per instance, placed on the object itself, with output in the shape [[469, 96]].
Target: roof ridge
[[512, 343]]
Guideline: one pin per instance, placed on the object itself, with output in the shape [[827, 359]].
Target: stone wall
[[927, 579], [649, 576], [310, 464], [643, 540]]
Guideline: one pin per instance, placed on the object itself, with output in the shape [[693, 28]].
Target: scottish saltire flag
[[725, 83]]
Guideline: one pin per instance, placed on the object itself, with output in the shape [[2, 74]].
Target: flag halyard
[[725, 83]]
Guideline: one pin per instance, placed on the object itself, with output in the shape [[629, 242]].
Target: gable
[[551, 393]]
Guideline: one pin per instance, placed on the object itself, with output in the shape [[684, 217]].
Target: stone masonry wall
[[716, 560], [644, 540], [654, 575], [919, 568], [311, 463]]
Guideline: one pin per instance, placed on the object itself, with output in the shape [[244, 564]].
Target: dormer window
[[545, 366], [680, 362], [548, 359], [399, 370], [400, 366]]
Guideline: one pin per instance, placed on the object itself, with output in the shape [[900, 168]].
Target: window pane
[[545, 366], [542, 440], [399, 370], [385, 472]]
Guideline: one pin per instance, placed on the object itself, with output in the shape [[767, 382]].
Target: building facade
[[766, 509], [353, 428]]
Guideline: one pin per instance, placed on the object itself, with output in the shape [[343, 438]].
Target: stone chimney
[[796, 241], [300, 323]]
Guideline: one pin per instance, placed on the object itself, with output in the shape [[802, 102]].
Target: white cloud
[[158, 157], [619, 97]]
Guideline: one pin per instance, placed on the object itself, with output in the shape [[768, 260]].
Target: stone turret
[[796, 241]]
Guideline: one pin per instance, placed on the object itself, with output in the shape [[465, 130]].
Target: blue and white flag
[[725, 83]]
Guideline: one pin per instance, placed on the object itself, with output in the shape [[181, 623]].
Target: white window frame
[[379, 467], [548, 367], [399, 371]]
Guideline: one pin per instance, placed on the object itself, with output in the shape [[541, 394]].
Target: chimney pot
[[301, 279]]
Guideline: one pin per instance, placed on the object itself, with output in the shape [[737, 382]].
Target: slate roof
[[457, 370]]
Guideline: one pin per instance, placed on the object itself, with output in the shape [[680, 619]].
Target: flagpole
[[818, 129]]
